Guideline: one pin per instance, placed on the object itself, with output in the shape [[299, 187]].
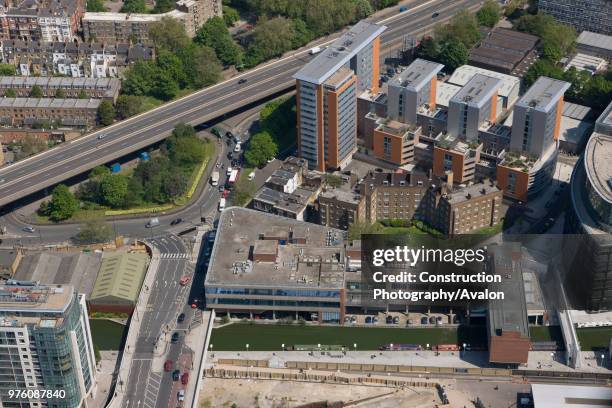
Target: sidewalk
[[133, 332]]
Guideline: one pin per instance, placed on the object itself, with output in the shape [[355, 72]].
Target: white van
[[153, 222], [251, 176], [221, 204]]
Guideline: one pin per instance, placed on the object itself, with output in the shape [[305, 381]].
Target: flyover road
[[166, 301], [73, 158]]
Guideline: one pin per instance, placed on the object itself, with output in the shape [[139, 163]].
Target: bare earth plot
[[285, 394]]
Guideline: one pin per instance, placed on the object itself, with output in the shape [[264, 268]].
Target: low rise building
[[262, 263], [506, 51], [291, 205], [587, 63], [598, 45], [102, 88], [81, 113], [394, 141], [455, 210], [118, 284], [41, 20], [340, 208], [450, 153]]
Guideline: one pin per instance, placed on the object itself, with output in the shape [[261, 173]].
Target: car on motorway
[[185, 280], [168, 365], [185, 378], [402, 9], [181, 318], [29, 228], [242, 81], [2, 181], [435, 14], [176, 221], [175, 337], [176, 375], [153, 222], [181, 395], [101, 136]]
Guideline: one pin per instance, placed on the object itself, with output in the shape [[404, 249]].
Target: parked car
[[176, 375], [181, 318], [396, 320], [175, 337], [181, 395], [176, 221], [185, 378], [389, 320], [168, 365], [368, 319], [29, 229], [184, 280]]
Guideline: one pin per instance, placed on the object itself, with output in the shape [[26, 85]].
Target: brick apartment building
[[80, 113]]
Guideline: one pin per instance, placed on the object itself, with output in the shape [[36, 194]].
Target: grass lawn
[[593, 338], [270, 337], [546, 333], [106, 334]]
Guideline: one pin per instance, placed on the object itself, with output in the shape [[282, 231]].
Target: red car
[[168, 365], [185, 378], [226, 193]]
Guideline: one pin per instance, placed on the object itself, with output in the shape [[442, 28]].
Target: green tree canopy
[[94, 232], [271, 38], [163, 6], [60, 93], [106, 112], [128, 105], [489, 14], [169, 34], [358, 228], [36, 92], [261, 148], [95, 6], [113, 189], [230, 15], [63, 204], [453, 55], [7, 69], [214, 34], [10, 93], [134, 6]]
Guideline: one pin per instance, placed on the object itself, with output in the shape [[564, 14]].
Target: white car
[[181, 395], [229, 171], [237, 148], [251, 175]]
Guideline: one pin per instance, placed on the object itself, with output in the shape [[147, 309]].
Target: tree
[[60, 93], [363, 9], [113, 189], [7, 69], [36, 92], [83, 94], [428, 49], [169, 34], [463, 27], [301, 34], [187, 150], [202, 68], [128, 105], [453, 55], [171, 65], [183, 130], [106, 112], [261, 148], [134, 6], [63, 204], [489, 14], [174, 185], [542, 68], [139, 78], [333, 180], [358, 228], [271, 38], [230, 15], [95, 6], [214, 34], [10, 93], [31, 145], [94, 232], [163, 6]]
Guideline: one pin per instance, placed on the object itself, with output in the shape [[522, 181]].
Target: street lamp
[[355, 346], [247, 347], [283, 346]]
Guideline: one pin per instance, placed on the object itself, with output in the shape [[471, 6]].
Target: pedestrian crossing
[[175, 255]]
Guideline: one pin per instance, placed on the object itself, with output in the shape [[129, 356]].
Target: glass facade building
[[46, 349]]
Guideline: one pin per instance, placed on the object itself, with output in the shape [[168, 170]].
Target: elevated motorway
[[71, 159]]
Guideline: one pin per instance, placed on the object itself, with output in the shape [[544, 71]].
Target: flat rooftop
[[444, 93], [464, 73], [341, 195], [416, 75], [570, 396], [479, 89], [472, 191], [598, 164], [575, 111], [589, 63], [573, 130], [603, 124], [596, 40], [308, 255], [339, 78], [57, 103], [338, 53], [15, 299], [543, 94], [130, 17]]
